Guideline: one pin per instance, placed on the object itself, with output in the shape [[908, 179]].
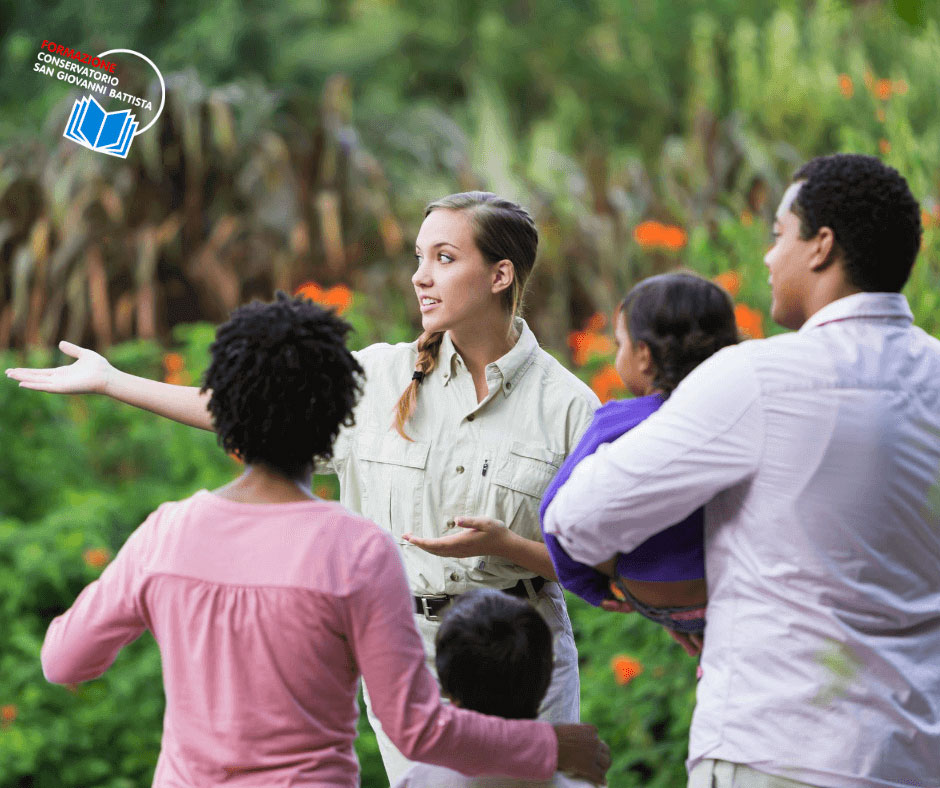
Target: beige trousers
[[722, 774], [562, 702]]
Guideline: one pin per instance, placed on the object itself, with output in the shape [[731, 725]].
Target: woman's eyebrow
[[439, 243]]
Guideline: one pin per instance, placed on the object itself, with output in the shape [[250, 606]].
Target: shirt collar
[[510, 367], [861, 305]]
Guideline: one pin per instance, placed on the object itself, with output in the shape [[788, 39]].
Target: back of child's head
[[494, 654], [283, 382], [683, 318]]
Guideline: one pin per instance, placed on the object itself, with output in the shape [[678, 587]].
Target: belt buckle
[[426, 611]]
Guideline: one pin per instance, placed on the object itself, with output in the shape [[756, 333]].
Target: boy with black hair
[[494, 656]]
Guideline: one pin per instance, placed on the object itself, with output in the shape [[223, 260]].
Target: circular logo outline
[[159, 75]]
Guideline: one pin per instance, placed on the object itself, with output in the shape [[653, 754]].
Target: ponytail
[[428, 347]]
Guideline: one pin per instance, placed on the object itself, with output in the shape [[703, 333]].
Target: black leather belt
[[431, 606]]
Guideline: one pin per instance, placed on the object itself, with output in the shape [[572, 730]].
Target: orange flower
[[338, 296], [845, 85], [883, 89], [173, 362], [625, 668], [730, 281], [656, 234], [926, 219], [7, 713], [884, 146], [177, 378], [900, 87], [97, 557], [323, 492], [607, 382], [747, 218], [586, 344], [750, 321], [595, 322]]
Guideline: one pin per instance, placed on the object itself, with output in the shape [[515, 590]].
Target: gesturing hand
[[483, 536], [88, 375], [582, 753]]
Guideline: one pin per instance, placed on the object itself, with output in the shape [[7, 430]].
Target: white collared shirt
[[492, 459], [817, 456]]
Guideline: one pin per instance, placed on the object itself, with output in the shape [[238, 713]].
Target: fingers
[[25, 373], [71, 350], [428, 545]]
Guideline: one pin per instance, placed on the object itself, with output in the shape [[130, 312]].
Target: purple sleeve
[[610, 422]]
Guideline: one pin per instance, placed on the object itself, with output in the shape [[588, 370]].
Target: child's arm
[[83, 642]]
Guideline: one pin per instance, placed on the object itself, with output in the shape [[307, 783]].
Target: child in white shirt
[[493, 655]]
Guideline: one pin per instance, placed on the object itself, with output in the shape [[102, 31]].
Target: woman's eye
[[418, 259], [446, 258]]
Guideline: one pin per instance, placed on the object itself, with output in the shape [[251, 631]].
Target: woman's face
[[632, 363], [456, 288]]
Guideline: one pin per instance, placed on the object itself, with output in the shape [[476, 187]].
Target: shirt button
[[460, 469], [509, 385], [450, 523], [454, 576], [470, 417]]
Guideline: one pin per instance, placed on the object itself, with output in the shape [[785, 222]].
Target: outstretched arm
[[93, 374]]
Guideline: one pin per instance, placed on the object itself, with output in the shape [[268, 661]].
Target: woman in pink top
[[268, 603]]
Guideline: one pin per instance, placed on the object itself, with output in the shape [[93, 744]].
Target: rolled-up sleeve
[[707, 437]]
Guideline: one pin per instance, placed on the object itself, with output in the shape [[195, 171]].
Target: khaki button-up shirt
[[492, 459]]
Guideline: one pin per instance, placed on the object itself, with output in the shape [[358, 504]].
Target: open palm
[[87, 375]]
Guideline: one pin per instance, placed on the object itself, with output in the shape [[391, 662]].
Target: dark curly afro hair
[[870, 210], [283, 382]]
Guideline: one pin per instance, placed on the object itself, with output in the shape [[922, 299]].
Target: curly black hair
[[283, 382], [494, 654], [683, 318], [871, 212]]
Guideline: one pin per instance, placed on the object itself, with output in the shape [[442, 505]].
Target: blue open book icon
[[107, 132]]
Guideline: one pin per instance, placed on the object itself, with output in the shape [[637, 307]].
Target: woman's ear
[[503, 274]]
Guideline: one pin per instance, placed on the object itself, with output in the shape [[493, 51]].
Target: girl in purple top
[[665, 327]]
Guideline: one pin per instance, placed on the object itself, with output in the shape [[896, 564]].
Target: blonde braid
[[428, 347]]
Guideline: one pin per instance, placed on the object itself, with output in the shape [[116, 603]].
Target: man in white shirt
[[817, 457]]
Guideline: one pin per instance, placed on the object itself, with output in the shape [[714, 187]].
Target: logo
[[89, 123], [108, 132]]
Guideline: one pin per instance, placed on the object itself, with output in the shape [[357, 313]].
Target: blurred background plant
[[298, 147]]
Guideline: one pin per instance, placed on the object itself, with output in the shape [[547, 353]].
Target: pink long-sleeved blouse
[[266, 615]]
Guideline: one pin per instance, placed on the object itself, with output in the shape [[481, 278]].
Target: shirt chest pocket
[[392, 480], [520, 477]]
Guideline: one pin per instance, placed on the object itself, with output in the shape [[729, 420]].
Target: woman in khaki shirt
[[457, 435]]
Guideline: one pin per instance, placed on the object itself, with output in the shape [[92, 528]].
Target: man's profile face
[[788, 261]]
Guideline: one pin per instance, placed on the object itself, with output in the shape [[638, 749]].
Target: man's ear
[[826, 251], [504, 272]]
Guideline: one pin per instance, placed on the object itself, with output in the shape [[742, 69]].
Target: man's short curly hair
[[871, 212], [283, 382]]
